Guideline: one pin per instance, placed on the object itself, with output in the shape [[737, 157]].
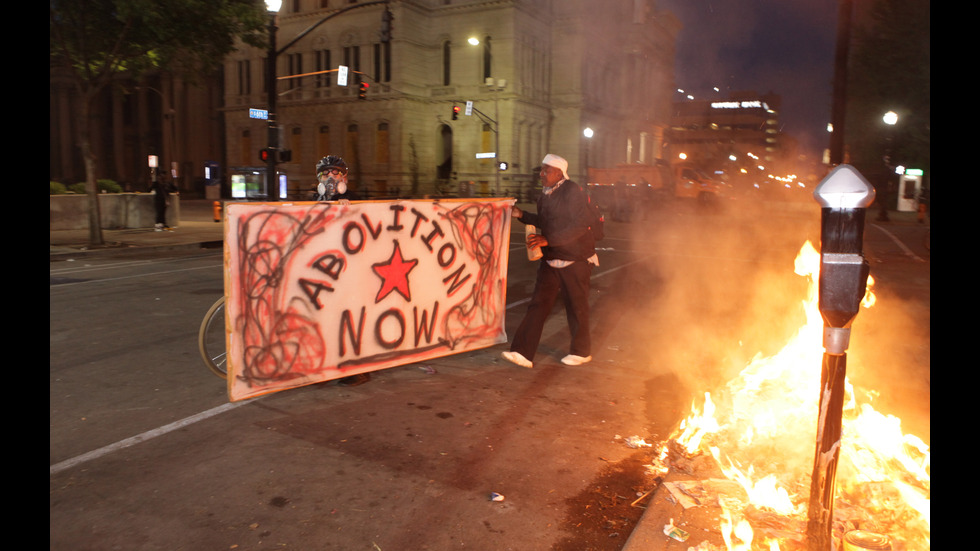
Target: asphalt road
[[147, 453]]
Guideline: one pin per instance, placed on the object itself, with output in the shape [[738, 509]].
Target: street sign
[[489, 155], [342, 75], [258, 114], [469, 108]]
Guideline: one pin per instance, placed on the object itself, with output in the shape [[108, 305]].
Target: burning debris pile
[[760, 429]]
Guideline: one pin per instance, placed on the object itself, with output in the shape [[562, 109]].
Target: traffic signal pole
[[271, 91], [495, 127], [273, 157]]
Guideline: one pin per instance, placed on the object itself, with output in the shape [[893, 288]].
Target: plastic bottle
[[535, 252]]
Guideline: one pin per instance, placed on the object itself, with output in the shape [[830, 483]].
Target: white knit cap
[[557, 162]]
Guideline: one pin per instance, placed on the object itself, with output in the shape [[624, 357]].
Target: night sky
[[780, 46]]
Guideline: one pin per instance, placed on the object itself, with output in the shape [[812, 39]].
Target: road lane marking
[[901, 245], [105, 450]]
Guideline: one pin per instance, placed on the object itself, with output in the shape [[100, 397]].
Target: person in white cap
[[566, 267]]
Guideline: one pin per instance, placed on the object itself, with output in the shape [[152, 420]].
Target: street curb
[[63, 253]]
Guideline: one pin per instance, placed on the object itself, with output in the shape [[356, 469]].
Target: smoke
[[720, 287], [716, 289]]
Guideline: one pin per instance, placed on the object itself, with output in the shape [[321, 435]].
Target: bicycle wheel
[[211, 339]]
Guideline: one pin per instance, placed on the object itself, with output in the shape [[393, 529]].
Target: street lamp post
[[273, 133], [169, 145], [890, 119], [496, 87], [587, 133]]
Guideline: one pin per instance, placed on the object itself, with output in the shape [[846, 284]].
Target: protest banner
[[317, 291]]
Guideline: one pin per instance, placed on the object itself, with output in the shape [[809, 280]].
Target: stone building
[[537, 74]]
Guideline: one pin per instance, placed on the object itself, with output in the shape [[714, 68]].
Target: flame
[[770, 413]]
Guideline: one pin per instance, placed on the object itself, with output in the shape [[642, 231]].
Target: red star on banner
[[394, 275]]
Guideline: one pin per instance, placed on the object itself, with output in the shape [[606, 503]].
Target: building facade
[[178, 122], [538, 73], [737, 137]]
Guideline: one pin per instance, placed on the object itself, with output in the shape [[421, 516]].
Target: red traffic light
[[265, 154], [455, 112], [362, 91]]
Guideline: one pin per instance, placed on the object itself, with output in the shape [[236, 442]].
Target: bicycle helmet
[[331, 161]]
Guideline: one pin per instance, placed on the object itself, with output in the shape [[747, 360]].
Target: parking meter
[[844, 196]]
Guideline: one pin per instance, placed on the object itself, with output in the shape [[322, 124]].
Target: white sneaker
[[572, 359], [517, 358]]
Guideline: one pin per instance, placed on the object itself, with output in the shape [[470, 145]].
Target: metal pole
[[844, 196], [838, 111], [273, 132], [496, 138]]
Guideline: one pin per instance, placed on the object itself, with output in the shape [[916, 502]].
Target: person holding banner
[[331, 176], [566, 268]]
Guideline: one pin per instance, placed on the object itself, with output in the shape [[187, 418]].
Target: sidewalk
[[196, 229]]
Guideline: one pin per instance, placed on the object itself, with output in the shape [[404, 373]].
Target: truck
[[658, 181]]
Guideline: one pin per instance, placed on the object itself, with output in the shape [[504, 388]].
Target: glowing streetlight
[[890, 118], [587, 133]]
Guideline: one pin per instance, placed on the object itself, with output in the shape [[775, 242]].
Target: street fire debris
[[755, 428], [603, 515]]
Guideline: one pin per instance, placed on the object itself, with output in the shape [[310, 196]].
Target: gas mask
[[331, 185]]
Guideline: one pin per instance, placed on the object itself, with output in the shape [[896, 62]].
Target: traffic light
[[265, 154], [362, 90], [455, 112], [285, 155]]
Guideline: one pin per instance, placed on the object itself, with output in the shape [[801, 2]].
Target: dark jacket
[[563, 218]]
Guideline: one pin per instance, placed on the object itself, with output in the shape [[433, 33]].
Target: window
[[246, 148], [386, 60], [295, 68], [322, 80], [381, 143], [487, 59], [350, 146], [323, 141], [352, 57], [296, 144], [445, 63], [244, 77]]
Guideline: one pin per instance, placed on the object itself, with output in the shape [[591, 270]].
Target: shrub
[[57, 188], [104, 186], [109, 186]]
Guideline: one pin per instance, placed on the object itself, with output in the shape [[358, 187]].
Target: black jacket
[[563, 219]]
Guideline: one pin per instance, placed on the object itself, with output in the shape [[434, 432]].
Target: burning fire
[[770, 413]]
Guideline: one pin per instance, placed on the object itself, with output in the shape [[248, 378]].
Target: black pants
[[572, 283], [160, 202]]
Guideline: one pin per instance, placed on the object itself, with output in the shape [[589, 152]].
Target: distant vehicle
[[681, 180]]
